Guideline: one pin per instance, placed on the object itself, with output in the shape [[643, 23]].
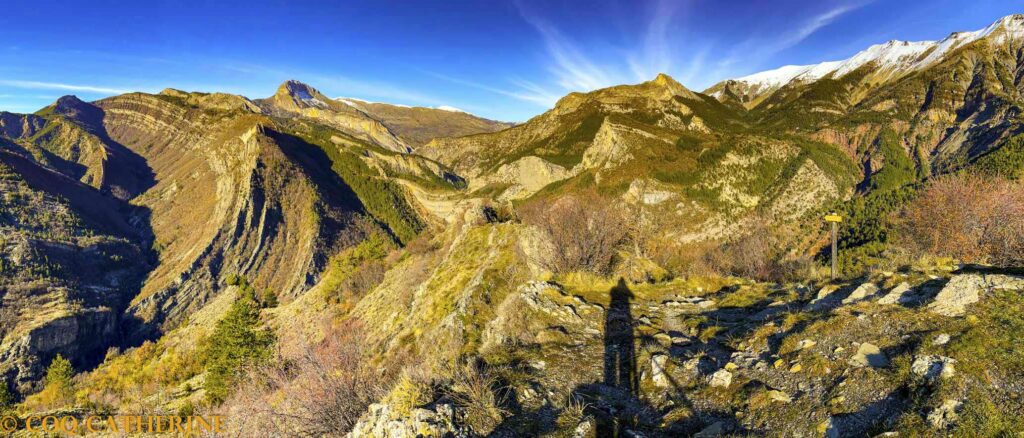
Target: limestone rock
[[805, 344], [897, 295], [779, 396], [863, 291], [869, 355], [380, 420], [961, 291], [658, 363], [945, 415], [933, 367], [966, 289], [586, 429], [721, 379]]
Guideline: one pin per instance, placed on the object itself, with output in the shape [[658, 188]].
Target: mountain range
[[122, 220]]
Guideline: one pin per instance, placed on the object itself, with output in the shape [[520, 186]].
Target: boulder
[[721, 379], [933, 367], [658, 363], [380, 420], [869, 355], [861, 292], [901, 294], [805, 344], [779, 396], [959, 292], [966, 289]]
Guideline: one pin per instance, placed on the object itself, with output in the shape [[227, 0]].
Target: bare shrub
[[584, 230], [685, 259], [972, 218], [312, 390], [365, 278], [422, 244], [761, 254]]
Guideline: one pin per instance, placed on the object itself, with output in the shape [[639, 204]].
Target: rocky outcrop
[[963, 290], [297, 99], [382, 421], [933, 368], [83, 336]]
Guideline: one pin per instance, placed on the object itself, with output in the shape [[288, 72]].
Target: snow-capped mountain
[[891, 60]]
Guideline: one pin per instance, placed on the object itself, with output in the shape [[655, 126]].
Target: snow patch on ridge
[[893, 57], [357, 103], [450, 109]]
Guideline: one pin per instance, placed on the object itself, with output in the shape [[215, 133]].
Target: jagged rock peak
[[72, 107], [69, 103], [668, 87], [297, 89], [666, 81]]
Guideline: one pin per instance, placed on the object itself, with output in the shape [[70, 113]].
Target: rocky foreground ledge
[[921, 350]]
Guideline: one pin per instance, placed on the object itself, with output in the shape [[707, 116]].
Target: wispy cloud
[[36, 85], [759, 48], [571, 68], [527, 92], [662, 45], [656, 54], [811, 26]]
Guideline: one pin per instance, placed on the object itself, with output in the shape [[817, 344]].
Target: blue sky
[[507, 60]]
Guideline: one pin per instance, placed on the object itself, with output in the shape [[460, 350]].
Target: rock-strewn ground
[[580, 356]]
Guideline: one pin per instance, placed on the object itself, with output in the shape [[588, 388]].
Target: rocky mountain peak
[[72, 107], [296, 89], [666, 87]]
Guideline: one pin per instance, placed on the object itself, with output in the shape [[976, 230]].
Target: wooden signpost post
[[835, 219]]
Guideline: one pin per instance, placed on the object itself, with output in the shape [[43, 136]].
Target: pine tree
[[59, 390], [236, 341]]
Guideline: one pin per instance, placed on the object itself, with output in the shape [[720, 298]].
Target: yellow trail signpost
[[834, 219]]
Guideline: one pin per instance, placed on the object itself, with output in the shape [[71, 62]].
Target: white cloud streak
[[656, 54], [528, 91], [754, 50], [813, 25], [36, 85], [571, 68]]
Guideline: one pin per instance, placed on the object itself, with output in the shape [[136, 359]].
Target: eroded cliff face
[[146, 203], [70, 260], [232, 196]]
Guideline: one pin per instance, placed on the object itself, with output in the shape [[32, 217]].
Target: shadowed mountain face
[[176, 191]]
